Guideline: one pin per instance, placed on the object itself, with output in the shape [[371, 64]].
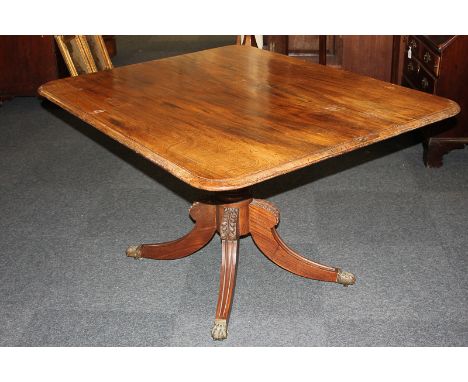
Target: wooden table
[[228, 118]]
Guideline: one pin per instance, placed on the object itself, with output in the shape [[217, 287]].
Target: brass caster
[[135, 252], [219, 331], [345, 278]]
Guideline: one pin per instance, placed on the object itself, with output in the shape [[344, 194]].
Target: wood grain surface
[[263, 218], [230, 117], [204, 216]]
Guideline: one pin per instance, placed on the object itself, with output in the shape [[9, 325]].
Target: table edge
[[227, 184]]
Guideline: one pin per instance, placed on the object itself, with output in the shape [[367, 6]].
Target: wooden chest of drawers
[[439, 65]]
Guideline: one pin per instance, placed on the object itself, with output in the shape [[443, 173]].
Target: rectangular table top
[[230, 117]]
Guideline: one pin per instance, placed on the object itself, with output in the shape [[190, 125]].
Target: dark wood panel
[[373, 56], [310, 44], [453, 80], [26, 62], [369, 55], [316, 48], [276, 43], [398, 51]]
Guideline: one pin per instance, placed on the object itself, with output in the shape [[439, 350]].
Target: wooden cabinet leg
[[264, 217], [229, 232], [435, 149], [205, 227]]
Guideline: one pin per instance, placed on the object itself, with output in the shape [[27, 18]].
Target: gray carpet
[[72, 200]]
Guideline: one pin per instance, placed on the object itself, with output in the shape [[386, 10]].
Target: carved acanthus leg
[[264, 217], [205, 227], [229, 232]]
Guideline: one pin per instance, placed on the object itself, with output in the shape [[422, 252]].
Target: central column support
[[233, 215], [232, 223]]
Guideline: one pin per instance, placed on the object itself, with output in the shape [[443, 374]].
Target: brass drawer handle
[[424, 83], [427, 57], [413, 44]]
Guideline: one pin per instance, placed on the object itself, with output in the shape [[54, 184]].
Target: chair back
[[250, 40], [84, 54]]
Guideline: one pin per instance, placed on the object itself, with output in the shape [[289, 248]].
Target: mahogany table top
[[230, 117]]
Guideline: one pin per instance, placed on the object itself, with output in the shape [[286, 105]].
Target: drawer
[[430, 60], [411, 69], [425, 82], [413, 44], [418, 76], [426, 56]]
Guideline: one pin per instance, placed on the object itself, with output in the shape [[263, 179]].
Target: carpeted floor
[[72, 200]]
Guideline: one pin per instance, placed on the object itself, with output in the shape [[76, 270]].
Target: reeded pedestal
[[233, 216]]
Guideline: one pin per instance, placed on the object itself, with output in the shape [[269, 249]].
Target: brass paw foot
[[345, 278], [219, 331], [135, 252]]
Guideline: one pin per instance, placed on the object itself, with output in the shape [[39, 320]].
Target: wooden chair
[[250, 40], [84, 54]]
